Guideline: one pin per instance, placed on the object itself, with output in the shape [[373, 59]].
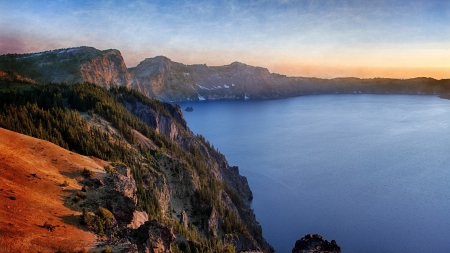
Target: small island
[[189, 109]]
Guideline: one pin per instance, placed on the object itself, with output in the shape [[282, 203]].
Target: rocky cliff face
[[107, 69], [183, 184]]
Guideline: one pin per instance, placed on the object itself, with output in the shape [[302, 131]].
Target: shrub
[[87, 173], [86, 218], [109, 169], [107, 249], [104, 215]]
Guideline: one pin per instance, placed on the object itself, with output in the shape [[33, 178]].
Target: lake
[[370, 171]]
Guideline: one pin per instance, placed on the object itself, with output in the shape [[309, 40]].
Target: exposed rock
[[139, 218], [237, 181], [121, 196], [107, 69], [184, 219], [314, 243], [213, 222], [154, 237], [164, 124], [116, 192], [244, 244]]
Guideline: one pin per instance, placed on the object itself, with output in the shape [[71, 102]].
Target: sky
[[311, 38]]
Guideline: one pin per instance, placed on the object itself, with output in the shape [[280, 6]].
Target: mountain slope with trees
[[181, 181]]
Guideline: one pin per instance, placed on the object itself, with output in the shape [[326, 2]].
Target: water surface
[[370, 171]]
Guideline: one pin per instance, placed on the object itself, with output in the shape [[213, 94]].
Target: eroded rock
[[154, 237]]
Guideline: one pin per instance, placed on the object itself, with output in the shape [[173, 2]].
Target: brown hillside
[[33, 217]]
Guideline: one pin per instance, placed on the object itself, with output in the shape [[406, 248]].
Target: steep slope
[[176, 174], [36, 177]]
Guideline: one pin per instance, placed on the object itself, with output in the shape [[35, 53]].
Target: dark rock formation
[[314, 243], [154, 237]]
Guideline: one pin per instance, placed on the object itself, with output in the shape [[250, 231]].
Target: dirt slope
[[33, 217]]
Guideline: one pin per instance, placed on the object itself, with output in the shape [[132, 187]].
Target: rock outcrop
[[184, 220], [154, 237], [237, 181], [314, 243], [184, 183], [107, 69], [116, 192]]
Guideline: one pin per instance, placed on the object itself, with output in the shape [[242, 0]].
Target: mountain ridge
[[161, 78]]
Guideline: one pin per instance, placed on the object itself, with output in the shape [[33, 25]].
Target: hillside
[[160, 177], [33, 175], [166, 80]]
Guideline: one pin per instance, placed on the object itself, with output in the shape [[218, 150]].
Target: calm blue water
[[370, 171]]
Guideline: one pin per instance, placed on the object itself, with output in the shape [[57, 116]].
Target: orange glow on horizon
[[333, 71]]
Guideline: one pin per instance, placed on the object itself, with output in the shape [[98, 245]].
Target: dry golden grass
[[35, 178]]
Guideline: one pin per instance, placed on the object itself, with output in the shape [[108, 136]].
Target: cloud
[[259, 32]]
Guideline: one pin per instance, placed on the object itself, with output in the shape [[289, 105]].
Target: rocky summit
[[161, 78]]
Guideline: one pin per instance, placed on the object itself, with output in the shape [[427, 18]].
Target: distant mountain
[[161, 78]]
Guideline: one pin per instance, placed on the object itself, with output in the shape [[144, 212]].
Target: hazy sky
[[322, 38]]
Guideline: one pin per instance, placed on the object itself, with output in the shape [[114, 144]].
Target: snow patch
[[226, 86], [202, 87], [201, 98], [232, 84]]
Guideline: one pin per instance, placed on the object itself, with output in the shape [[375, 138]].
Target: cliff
[[166, 80], [80, 64], [170, 81]]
